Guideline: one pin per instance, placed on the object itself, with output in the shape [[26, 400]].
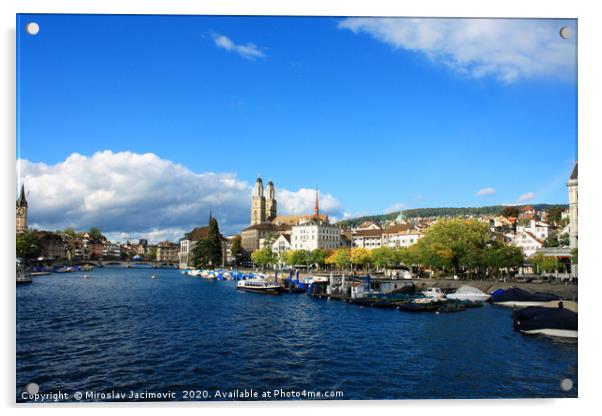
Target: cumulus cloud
[[526, 196], [507, 49], [486, 191], [303, 201], [247, 51], [131, 195]]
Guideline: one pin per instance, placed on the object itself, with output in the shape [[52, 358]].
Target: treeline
[[442, 212]]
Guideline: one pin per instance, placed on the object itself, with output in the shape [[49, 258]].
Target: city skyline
[[381, 115]]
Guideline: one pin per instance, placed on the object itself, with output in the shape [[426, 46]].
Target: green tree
[[95, 234], [151, 254], [552, 240], [544, 263], [264, 257], [454, 245], [28, 246], [384, 257], [236, 248], [506, 257], [361, 257], [208, 252], [318, 256], [69, 232], [341, 258], [554, 215]]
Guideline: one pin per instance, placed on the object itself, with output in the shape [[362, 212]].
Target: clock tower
[[22, 212]]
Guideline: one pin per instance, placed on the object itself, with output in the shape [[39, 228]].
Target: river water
[[121, 331]]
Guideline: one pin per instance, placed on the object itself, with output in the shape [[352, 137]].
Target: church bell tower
[[258, 204], [270, 202], [22, 211]]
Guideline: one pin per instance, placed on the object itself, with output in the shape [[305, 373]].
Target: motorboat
[[154, 276], [469, 293], [259, 286], [520, 298], [434, 292], [558, 322]]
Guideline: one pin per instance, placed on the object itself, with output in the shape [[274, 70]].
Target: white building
[[367, 238], [539, 229], [281, 244], [313, 235], [400, 235], [528, 242]]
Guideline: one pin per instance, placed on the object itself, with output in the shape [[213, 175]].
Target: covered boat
[[516, 297], [559, 321], [469, 293]]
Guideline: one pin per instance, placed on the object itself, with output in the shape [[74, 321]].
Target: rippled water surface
[[120, 330]]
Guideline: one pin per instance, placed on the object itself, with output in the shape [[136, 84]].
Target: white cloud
[[132, 195], [247, 51], [507, 49], [398, 206], [486, 191], [303, 201], [526, 196]]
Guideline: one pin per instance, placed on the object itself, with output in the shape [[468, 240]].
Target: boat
[[154, 276], [434, 292], [421, 305], [259, 286], [557, 322], [470, 293], [520, 298]]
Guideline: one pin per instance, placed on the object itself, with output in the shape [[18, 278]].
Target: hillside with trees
[[447, 212]]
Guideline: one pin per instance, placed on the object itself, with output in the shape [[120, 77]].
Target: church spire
[[317, 206], [21, 201]]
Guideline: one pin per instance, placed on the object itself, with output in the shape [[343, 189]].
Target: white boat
[[434, 292], [470, 293], [154, 276], [259, 286], [406, 274]]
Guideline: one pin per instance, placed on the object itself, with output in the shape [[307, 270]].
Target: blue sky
[[379, 114]]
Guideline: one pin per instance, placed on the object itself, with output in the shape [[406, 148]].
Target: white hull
[[565, 333], [469, 296], [520, 304]]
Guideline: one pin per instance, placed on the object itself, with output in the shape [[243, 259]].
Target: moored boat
[[259, 286], [558, 322], [520, 298], [469, 293]]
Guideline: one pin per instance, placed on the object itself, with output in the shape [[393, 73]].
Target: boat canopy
[[521, 295]]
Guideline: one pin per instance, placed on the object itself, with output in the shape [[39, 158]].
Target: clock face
[[20, 211]]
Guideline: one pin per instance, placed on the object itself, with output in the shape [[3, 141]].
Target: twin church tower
[[263, 206]]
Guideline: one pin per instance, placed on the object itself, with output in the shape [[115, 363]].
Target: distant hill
[[440, 212]]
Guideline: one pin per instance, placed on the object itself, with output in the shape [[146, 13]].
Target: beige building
[[263, 206], [167, 252], [251, 235]]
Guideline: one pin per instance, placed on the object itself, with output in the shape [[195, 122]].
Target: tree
[[544, 263], [455, 245], [151, 254], [552, 240], [341, 258], [554, 215], [384, 257], [236, 248], [69, 232], [208, 251], [575, 256], [264, 257], [510, 211], [28, 246], [503, 257], [318, 256], [95, 234], [361, 257]]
